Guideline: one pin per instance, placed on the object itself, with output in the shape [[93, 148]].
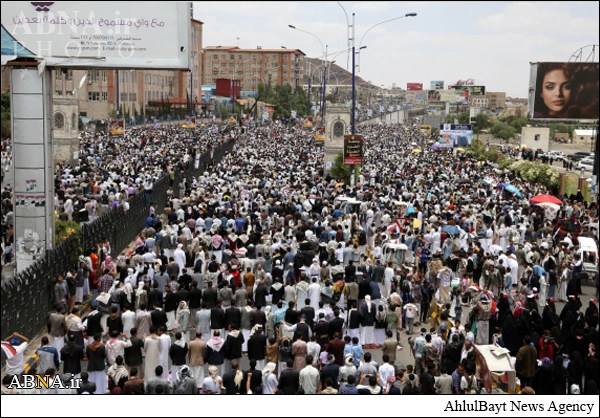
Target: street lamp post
[[353, 116]]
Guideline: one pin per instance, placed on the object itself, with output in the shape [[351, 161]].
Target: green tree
[[519, 123], [482, 122], [503, 130], [340, 170], [331, 98], [463, 118]]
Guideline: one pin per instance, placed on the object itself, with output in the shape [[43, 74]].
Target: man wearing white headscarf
[[179, 257], [182, 321], [269, 379]]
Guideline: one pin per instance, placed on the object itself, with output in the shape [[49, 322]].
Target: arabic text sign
[[98, 34], [353, 149]]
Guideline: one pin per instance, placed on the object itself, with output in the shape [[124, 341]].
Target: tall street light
[[353, 116]]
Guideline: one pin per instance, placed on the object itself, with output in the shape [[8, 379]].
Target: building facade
[[496, 100], [253, 66]]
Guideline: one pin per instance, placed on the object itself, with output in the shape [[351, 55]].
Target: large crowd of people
[[267, 260]]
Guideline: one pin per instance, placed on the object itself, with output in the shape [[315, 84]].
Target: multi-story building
[[253, 66], [479, 102], [496, 100]]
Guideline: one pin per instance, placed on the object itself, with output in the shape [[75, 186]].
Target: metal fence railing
[[27, 298]]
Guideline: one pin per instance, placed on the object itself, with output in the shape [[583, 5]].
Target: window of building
[[224, 65], [285, 65], [133, 97], [240, 57], [105, 96], [274, 65], [59, 92], [231, 65], [59, 120], [232, 57], [254, 56], [215, 72], [124, 97], [223, 56], [274, 56], [286, 57], [93, 96], [215, 57], [104, 76], [70, 75]]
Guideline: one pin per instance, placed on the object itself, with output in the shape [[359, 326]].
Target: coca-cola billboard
[[467, 82]]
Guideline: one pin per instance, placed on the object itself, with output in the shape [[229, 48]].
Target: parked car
[[586, 164], [555, 154], [576, 156]]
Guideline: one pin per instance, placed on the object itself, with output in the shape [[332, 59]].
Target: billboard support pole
[[33, 164]]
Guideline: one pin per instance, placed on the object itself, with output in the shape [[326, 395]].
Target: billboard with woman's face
[[564, 90]]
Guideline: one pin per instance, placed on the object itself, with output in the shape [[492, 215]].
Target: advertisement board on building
[[452, 136], [117, 127], [353, 149], [471, 90], [564, 90], [414, 86], [106, 34], [443, 95], [436, 85]]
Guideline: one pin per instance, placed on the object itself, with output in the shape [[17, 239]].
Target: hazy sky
[[491, 42]]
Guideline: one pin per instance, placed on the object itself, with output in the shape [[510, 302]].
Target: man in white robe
[[179, 257], [152, 350], [314, 294], [165, 345]]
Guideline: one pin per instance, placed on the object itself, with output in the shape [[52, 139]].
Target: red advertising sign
[[414, 86], [353, 149]]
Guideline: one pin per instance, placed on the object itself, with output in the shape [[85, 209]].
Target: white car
[[586, 164]]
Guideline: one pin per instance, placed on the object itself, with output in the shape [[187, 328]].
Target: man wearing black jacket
[[364, 289], [255, 379], [233, 347], [71, 355], [260, 296], [231, 388], [309, 312], [158, 316], [289, 379], [155, 295], [291, 315], [195, 297], [350, 272], [336, 325], [133, 354], [171, 304], [217, 319], [256, 348], [233, 316], [210, 296]]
